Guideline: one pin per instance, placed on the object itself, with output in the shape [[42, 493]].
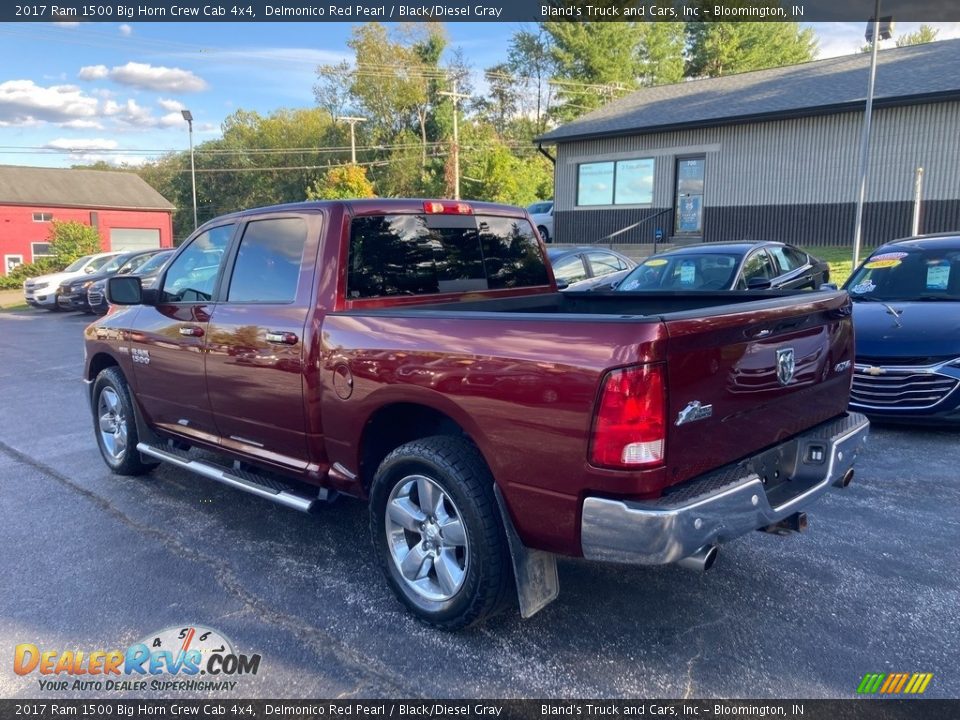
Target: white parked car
[[542, 215], [41, 291]]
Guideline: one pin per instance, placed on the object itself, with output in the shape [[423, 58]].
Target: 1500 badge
[[694, 411]]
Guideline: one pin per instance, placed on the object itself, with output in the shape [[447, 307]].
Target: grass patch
[[12, 300], [840, 260]]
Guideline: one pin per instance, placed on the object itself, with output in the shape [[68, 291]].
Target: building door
[[134, 239], [688, 219]]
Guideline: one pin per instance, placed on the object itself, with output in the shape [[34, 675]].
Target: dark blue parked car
[[907, 320]]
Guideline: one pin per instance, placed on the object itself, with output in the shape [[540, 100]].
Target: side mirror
[[124, 290], [758, 283], [829, 286]]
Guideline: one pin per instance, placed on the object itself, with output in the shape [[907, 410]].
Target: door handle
[[191, 331], [282, 338]]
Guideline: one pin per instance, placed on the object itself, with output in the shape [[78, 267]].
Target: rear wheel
[[115, 426], [543, 233], [437, 531]]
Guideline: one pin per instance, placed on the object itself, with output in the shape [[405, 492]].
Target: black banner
[[474, 11], [481, 709]]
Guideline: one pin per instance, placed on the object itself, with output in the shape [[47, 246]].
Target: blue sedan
[[906, 312]]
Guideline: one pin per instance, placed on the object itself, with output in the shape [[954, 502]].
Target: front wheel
[[437, 532], [115, 426], [543, 233]]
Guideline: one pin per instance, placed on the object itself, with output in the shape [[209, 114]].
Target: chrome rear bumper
[[723, 505]]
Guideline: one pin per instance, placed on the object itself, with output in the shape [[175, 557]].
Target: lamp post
[[877, 29], [188, 116]]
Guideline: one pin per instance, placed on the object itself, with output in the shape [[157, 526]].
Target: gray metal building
[[770, 155]]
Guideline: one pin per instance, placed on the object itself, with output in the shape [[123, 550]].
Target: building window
[[624, 182], [40, 250], [42, 217], [11, 262]]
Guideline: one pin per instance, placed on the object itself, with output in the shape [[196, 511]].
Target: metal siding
[[802, 164]]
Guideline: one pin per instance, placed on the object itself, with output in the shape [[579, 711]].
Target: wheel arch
[[395, 423]]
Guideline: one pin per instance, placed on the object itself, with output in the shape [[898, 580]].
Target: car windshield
[[133, 264], [540, 208], [98, 263], [154, 263], [114, 263], [687, 271], [77, 264], [907, 274]]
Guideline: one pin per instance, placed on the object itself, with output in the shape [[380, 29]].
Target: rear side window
[[605, 263], [787, 258], [430, 254], [267, 268]]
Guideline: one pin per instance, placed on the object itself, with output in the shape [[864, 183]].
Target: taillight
[[629, 430], [436, 207]]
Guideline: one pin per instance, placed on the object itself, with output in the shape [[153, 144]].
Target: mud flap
[[535, 570]]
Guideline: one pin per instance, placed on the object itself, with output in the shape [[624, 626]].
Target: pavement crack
[[318, 640]]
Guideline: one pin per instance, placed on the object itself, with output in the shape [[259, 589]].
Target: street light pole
[[188, 116], [873, 34], [456, 136], [353, 137]]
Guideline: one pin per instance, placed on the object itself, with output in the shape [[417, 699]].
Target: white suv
[[41, 291], [542, 215]]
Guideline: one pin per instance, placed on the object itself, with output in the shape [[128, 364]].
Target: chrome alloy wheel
[[112, 423], [427, 540]]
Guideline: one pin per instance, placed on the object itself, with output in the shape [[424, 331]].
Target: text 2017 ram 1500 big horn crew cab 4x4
[[416, 354]]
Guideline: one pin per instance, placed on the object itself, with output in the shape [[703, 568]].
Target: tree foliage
[[924, 34], [70, 240], [342, 183], [725, 48]]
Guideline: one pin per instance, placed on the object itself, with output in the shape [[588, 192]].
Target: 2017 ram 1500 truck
[[416, 354]]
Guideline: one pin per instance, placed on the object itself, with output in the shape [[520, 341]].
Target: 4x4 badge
[[785, 365]]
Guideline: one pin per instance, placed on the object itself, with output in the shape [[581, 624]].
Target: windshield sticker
[[864, 287], [656, 262], [886, 260], [688, 274], [938, 276]]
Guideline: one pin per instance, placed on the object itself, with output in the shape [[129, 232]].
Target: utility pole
[[353, 137], [456, 136]]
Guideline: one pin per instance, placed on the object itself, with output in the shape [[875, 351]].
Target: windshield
[[540, 208], [114, 263], [154, 263], [687, 271], [77, 264], [908, 274], [134, 263], [98, 263]]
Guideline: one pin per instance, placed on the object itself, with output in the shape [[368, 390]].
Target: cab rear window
[[432, 254]]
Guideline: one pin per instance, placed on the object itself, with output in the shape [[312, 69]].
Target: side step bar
[[236, 478]]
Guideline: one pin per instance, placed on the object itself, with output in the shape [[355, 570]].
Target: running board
[[237, 478]]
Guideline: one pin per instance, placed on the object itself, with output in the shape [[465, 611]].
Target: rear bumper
[[725, 504]]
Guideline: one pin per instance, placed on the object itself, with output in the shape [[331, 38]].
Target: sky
[[81, 92]]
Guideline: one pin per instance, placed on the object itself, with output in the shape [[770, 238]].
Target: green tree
[[71, 240], [342, 183], [530, 59], [924, 34], [596, 62], [502, 101], [491, 170], [726, 48]]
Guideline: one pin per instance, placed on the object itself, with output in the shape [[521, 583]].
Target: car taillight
[[436, 207], [629, 430]]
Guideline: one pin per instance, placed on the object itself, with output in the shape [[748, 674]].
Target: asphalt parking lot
[[91, 560]]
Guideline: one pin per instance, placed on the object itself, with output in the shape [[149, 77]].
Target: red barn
[[129, 214]]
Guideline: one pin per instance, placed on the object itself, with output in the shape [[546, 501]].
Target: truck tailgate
[[759, 374]]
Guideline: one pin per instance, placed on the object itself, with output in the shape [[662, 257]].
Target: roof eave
[[920, 99], [134, 208]]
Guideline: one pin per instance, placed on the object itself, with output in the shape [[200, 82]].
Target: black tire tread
[[132, 463], [460, 458]]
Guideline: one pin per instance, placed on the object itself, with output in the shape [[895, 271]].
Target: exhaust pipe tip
[[702, 560], [847, 478]]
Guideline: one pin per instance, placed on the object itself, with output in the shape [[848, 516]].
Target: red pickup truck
[[417, 355]]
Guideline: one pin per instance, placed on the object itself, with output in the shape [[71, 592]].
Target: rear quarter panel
[[522, 389]]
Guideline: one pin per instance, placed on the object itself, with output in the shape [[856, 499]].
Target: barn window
[[42, 217]]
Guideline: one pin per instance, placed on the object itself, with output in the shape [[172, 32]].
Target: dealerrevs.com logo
[[192, 658]]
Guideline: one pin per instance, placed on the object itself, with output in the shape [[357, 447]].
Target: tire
[[543, 233], [115, 426], [458, 569]]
